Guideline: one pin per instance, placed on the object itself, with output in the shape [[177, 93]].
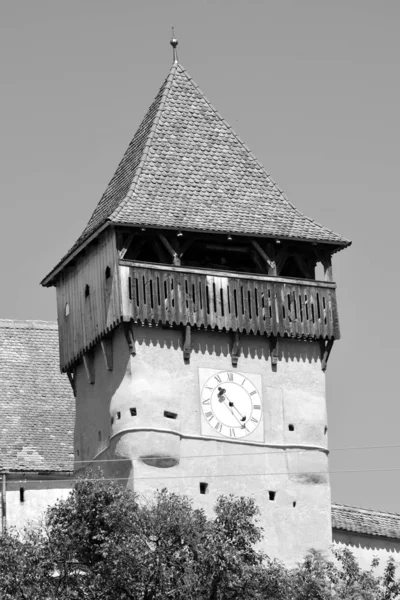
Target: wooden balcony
[[231, 301]]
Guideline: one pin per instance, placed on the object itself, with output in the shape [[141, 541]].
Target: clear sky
[[311, 87]]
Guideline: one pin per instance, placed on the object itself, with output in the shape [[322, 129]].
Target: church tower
[[193, 330]]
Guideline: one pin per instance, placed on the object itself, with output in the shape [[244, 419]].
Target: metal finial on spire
[[174, 44]]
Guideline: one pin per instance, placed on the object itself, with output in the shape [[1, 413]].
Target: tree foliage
[[102, 543]]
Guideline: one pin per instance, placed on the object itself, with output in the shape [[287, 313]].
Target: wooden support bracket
[[128, 330], [71, 376], [88, 362], [271, 264], [274, 348], [187, 344], [126, 244], [326, 347], [106, 346], [175, 256], [235, 352]]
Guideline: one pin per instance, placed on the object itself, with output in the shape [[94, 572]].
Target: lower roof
[[365, 521], [37, 406]]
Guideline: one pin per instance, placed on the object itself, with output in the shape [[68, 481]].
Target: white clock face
[[231, 404]]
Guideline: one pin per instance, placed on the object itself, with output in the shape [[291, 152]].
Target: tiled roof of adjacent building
[[365, 521], [37, 407], [187, 169]]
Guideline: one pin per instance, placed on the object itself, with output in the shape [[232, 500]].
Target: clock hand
[[222, 397]]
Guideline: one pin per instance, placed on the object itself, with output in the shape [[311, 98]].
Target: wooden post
[[187, 344], [175, 257], [128, 330], [327, 264], [273, 342], [3, 505], [235, 352], [326, 347], [88, 362], [271, 265], [71, 377], [126, 245], [106, 346]]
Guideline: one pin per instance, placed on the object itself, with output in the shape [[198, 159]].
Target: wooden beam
[[106, 346], [280, 261], [326, 347], [186, 247], [256, 259], [88, 362], [274, 348], [235, 352], [175, 257], [71, 378], [128, 330], [227, 248], [126, 244], [327, 264], [271, 264], [187, 344], [159, 250]]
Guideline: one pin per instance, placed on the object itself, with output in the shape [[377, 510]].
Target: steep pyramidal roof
[[186, 169]]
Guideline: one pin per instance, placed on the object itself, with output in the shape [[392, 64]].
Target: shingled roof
[[37, 407], [187, 169], [365, 521]]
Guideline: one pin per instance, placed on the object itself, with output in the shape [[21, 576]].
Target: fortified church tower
[[192, 328]]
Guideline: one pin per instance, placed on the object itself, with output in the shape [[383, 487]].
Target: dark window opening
[[133, 412], [112, 420], [203, 487], [325, 430], [118, 415], [21, 494], [291, 427], [77, 452], [291, 269], [294, 504], [99, 434], [108, 272], [87, 290], [170, 415], [272, 495]]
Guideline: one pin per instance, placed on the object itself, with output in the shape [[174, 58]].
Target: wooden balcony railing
[[230, 301]]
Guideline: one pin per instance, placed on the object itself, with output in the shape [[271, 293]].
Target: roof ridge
[[144, 156], [27, 324], [363, 509], [253, 156]]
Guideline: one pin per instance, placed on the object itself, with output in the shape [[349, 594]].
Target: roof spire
[[174, 43]]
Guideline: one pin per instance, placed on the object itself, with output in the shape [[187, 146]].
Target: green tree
[[102, 543]]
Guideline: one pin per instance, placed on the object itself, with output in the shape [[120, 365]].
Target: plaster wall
[[366, 547], [291, 463], [38, 496]]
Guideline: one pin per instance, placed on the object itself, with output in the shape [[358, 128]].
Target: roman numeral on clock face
[[207, 401], [218, 378], [256, 406], [230, 376], [218, 427], [232, 432], [254, 420], [209, 415], [253, 392]]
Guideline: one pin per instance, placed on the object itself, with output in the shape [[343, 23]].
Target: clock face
[[231, 404]]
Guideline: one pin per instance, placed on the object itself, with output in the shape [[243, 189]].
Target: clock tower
[[193, 330]]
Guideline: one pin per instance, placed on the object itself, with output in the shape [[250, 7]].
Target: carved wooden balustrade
[[231, 301]]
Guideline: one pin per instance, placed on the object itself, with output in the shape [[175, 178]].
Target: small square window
[[170, 415], [203, 487], [272, 495], [133, 412]]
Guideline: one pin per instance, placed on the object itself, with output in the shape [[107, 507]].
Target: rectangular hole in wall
[[21, 494], [133, 412], [272, 495], [170, 415], [203, 487], [118, 415], [291, 427], [99, 436]]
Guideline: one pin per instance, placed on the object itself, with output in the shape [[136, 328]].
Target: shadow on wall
[[219, 343]]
